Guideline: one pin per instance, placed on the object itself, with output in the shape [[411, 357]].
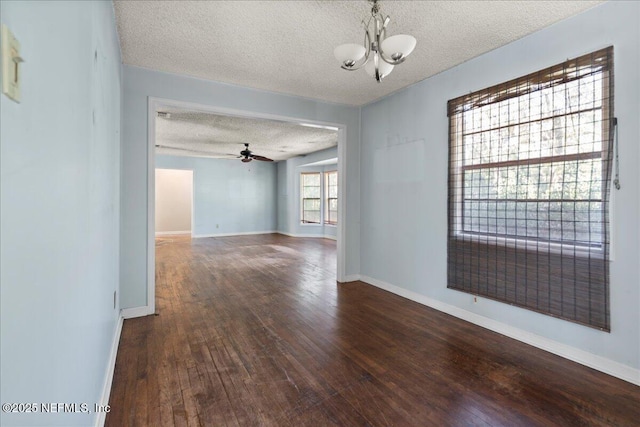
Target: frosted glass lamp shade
[[383, 67], [398, 46], [349, 53]]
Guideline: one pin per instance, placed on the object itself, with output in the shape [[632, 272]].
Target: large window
[[331, 197], [311, 197], [528, 190], [319, 197]]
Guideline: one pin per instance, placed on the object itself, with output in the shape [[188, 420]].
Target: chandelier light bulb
[[383, 68], [348, 54], [398, 46]]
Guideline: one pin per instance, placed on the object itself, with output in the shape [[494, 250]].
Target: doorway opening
[[173, 202], [159, 107]]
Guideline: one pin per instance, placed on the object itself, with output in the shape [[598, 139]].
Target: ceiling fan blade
[[262, 158], [246, 160]]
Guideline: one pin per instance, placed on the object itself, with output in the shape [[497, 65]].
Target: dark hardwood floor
[[254, 330]]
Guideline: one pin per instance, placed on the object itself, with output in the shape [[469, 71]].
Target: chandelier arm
[[380, 38], [357, 67], [379, 27], [385, 22], [367, 43], [377, 70], [366, 24]]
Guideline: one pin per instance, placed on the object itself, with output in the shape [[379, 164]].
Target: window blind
[[529, 173]]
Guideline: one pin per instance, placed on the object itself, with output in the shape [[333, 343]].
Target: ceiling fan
[[247, 155]]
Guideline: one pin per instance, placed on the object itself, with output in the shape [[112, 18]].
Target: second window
[[319, 198]]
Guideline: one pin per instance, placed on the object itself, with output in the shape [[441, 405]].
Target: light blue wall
[[139, 84], [289, 193], [60, 156], [404, 198], [229, 196], [283, 197]]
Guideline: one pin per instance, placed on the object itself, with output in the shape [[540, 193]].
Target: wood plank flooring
[[254, 331]]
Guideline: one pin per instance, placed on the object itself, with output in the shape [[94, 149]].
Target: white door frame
[[156, 104]]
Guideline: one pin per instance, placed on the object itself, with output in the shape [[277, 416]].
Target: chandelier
[[380, 53]]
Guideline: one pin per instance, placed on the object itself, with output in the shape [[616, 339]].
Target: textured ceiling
[[287, 46], [189, 133]]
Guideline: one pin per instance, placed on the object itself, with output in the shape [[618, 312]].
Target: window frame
[[303, 199], [456, 132], [538, 266], [327, 199], [324, 197]]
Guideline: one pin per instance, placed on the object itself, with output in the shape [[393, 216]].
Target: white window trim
[[323, 199], [301, 199], [325, 196]]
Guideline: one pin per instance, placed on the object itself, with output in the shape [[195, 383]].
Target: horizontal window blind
[[529, 173]]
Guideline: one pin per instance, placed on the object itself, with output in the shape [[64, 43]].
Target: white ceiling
[[287, 46], [199, 134]]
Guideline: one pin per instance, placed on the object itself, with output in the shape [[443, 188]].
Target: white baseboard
[[130, 313], [172, 233], [321, 236], [108, 379], [602, 364], [351, 278], [248, 233]]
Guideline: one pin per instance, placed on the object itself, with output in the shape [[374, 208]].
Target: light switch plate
[[10, 64]]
